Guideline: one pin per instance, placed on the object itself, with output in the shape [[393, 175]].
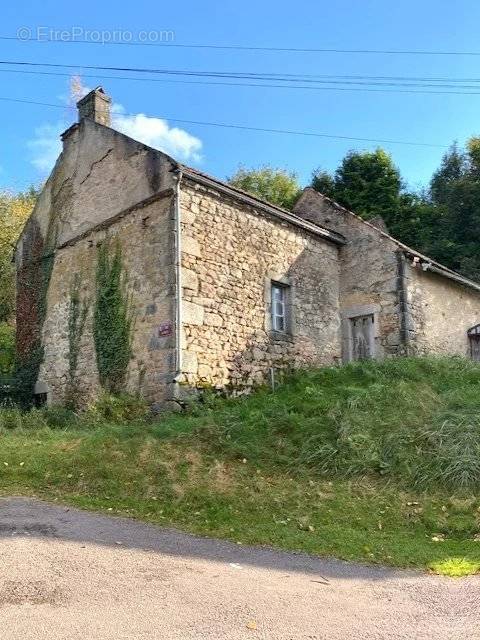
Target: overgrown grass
[[413, 420], [372, 462]]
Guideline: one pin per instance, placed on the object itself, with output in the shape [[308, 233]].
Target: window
[[279, 307]]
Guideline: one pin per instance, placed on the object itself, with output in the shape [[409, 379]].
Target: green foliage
[[117, 409], [35, 419], [278, 186], [413, 420], [324, 183], [113, 319], [29, 357], [442, 221], [367, 183], [455, 567], [107, 410], [7, 348], [455, 192], [77, 316], [239, 468], [14, 210]]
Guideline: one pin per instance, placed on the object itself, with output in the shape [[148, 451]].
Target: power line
[[287, 77], [245, 127], [352, 86], [414, 52]]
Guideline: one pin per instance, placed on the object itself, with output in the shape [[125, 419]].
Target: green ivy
[[77, 316], [112, 319], [7, 348], [35, 274]]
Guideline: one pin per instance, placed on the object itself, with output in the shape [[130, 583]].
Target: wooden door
[[362, 337], [475, 347]]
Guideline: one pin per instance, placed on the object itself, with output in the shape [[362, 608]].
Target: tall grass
[[415, 421]]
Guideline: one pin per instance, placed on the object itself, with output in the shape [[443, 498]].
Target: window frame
[[275, 280], [282, 289]]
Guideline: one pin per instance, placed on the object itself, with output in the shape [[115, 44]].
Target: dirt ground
[[67, 574]]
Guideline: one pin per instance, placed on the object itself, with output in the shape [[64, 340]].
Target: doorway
[[362, 337]]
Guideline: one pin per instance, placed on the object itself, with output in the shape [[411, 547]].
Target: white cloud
[[45, 146], [157, 133]]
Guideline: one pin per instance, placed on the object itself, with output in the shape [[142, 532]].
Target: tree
[[452, 168], [455, 192], [14, 211], [278, 186], [369, 184], [324, 183]]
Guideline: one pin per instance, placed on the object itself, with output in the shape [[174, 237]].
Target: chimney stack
[[96, 106]]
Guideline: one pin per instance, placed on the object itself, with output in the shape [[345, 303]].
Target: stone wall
[[102, 181], [230, 254], [146, 238], [369, 271], [441, 311], [99, 173]]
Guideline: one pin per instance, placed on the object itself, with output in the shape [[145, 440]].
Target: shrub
[[116, 409], [10, 418], [57, 417], [7, 348]]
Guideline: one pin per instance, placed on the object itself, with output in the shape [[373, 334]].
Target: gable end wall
[[146, 239], [370, 277]]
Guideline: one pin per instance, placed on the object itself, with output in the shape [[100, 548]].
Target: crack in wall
[[95, 163]]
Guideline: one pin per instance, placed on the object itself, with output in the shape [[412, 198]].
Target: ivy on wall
[[113, 319], [33, 280], [77, 316]]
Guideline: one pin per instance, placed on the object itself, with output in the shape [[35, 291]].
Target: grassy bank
[[370, 462]]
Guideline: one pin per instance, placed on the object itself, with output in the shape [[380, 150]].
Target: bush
[[116, 409], [11, 418], [57, 417], [108, 409], [7, 348]]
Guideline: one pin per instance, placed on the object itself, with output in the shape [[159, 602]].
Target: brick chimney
[[96, 106]]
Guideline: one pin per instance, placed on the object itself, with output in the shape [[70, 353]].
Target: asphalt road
[[67, 574]]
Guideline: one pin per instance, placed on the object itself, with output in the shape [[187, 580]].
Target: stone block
[[213, 320], [189, 362], [193, 313], [191, 246], [189, 279]]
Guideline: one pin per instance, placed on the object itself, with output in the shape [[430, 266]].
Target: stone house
[[226, 289]]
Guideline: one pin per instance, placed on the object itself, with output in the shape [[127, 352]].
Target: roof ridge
[[403, 246]]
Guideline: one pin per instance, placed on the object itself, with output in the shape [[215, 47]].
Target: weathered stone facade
[[230, 255], [369, 280], [104, 186], [145, 237], [417, 310], [202, 260], [441, 313]]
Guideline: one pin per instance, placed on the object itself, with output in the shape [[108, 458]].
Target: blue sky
[[29, 132]]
